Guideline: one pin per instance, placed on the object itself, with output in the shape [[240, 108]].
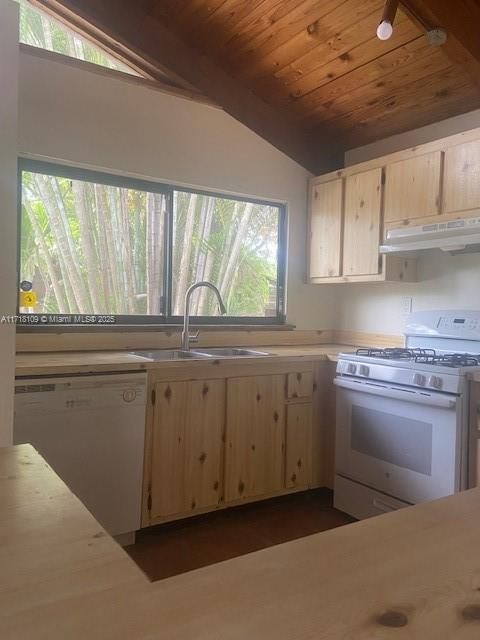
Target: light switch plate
[[406, 305]]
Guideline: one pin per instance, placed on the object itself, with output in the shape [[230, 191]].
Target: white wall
[[445, 282], [70, 114], [8, 208]]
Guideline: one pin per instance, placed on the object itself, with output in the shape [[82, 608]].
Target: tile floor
[[173, 548]]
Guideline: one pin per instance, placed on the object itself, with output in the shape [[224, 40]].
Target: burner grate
[[396, 353], [450, 359], [422, 356]]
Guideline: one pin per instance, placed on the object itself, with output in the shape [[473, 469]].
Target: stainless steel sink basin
[[170, 354], [203, 354], [231, 353]]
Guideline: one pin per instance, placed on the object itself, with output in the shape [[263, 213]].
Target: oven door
[[401, 441]]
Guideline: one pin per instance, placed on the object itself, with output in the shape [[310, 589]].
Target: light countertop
[[62, 576], [66, 362]]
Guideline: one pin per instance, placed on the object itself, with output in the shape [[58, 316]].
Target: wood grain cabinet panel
[[298, 457], [474, 447], [462, 178], [326, 213], [363, 196], [300, 384], [187, 446], [255, 436], [412, 188], [323, 425]]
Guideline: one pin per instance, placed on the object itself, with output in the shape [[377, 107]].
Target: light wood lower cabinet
[[212, 443], [474, 430], [187, 446], [323, 425], [300, 384], [255, 436], [298, 458]]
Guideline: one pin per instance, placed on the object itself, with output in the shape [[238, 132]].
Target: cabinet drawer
[[300, 384]]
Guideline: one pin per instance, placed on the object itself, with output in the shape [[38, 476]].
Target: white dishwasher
[[91, 430]]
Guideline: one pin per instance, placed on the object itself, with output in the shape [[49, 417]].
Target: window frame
[[166, 189]]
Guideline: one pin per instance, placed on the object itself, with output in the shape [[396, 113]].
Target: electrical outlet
[[406, 305]]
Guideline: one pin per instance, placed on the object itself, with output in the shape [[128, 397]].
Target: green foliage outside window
[[38, 29], [94, 248]]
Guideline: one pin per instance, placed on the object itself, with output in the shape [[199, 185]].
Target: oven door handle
[[407, 395]]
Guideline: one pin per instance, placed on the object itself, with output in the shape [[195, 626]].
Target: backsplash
[[445, 282]]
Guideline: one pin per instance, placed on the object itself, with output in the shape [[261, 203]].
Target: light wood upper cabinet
[[435, 181], [363, 198], [346, 224], [462, 178], [187, 446], [326, 213], [255, 436], [413, 188]]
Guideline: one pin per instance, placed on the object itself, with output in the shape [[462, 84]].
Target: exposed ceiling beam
[[130, 27], [461, 20]]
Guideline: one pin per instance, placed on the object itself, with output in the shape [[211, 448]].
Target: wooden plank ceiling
[[309, 75]]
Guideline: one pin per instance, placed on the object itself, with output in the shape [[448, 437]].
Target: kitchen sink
[[203, 354], [170, 354], [232, 353]]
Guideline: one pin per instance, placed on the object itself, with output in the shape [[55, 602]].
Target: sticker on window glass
[[28, 299]]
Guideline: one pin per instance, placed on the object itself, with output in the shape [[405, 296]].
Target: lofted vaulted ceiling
[[310, 76]]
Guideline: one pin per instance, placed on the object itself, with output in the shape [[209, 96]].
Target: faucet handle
[[193, 337]]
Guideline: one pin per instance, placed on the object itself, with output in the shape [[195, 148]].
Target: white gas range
[[402, 433]]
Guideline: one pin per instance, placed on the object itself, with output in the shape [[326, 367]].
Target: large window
[[100, 245]]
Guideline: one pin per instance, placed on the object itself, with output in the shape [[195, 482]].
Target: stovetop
[[442, 349], [422, 356], [432, 370]]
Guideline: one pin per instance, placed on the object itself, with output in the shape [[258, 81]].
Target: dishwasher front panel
[[91, 430]]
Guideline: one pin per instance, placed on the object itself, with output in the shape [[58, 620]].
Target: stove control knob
[[419, 380], [435, 382], [351, 368], [363, 370]]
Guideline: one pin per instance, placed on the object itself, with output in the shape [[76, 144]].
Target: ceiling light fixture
[[385, 28], [436, 37]]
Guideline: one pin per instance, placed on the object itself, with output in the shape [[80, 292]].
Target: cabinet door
[[412, 188], [187, 446], [326, 229], [323, 425], [462, 178], [255, 436], [363, 193], [298, 458]]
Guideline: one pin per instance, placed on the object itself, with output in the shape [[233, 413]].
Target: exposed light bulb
[[384, 30]]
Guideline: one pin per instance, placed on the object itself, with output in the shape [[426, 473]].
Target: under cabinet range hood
[[454, 236]]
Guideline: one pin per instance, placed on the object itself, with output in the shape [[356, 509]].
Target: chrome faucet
[[186, 337]]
